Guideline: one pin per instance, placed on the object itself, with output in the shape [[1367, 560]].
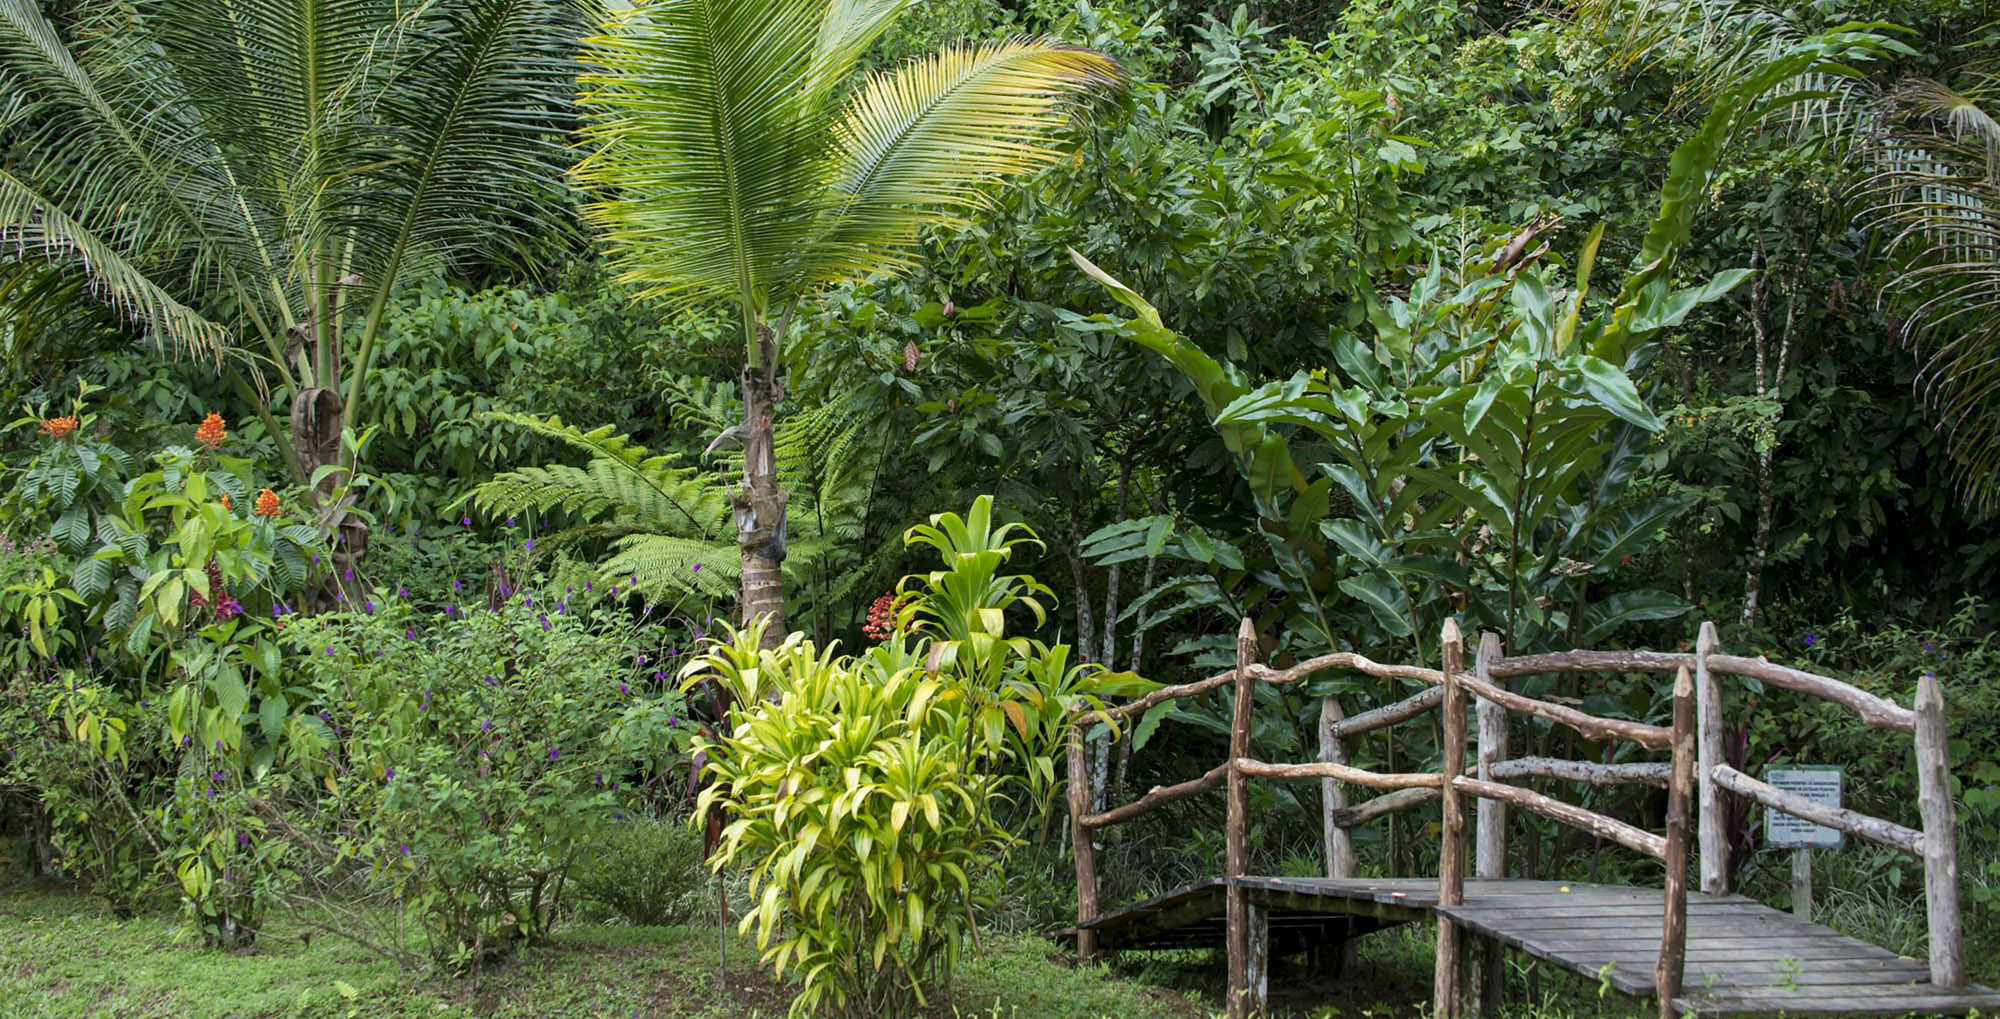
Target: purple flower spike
[[409, 635], [388, 773], [1811, 640], [587, 587], [485, 726], [552, 753], [458, 585], [510, 521], [696, 568], [546, 625], [529, 545], [402, 592], [622, 689], [349, 575], [340, 596], [368, 606], [329, 652], [465, 521]]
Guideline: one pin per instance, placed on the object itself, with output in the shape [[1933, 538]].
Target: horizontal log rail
[[1653, 773], [1636, 839], [1652, 737], [1381, 806], [1162, 695], [1876, 711], [1345, 661], [1589, 661], [1343, 773], [1874, 829], [1389, 714], [1158, 796]]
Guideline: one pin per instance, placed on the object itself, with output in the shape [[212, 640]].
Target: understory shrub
[[648, 870], [863, 790], [476, 755]]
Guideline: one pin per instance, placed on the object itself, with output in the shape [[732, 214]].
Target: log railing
[[1695, 778]]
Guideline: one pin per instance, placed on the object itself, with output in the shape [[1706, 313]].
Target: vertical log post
[[1238, 824], [1333, 792], [1667, 973], [1713, 835], [1802, 883], [1259, 960], [1333, 796], [1490, 849], [1080, 836], [1940, 836], [1445, 1002]]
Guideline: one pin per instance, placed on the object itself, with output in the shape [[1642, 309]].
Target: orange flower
[[58, 428], [212, 431], [267, 504], [226, 504]]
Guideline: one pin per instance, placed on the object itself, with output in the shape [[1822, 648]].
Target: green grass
[[61, 956]]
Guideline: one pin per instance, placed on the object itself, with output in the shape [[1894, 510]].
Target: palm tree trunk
[[760, 502]]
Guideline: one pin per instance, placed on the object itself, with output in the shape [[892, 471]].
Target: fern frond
[[649, 491], [665, 563]]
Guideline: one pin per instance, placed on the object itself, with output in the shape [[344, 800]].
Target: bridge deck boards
[[1743, 958]]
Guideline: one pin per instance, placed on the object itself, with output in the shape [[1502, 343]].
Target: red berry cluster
[[881, 618]]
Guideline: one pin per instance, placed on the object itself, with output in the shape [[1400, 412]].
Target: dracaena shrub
[[860, 790]]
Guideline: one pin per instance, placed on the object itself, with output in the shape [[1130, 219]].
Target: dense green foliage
[[1580, 324]]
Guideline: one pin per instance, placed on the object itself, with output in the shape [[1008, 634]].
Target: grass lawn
[[62, 956]]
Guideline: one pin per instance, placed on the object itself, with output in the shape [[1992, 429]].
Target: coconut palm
[[250, 180], [737, 152]]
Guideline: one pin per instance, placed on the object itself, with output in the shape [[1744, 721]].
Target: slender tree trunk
[[760, 503], [1770, 384]]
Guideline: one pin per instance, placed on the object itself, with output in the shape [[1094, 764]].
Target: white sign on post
[[1820, 782]]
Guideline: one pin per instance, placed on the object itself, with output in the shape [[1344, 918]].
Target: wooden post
[[1668, 971], [1940, 836], [1080, 836], [1490, 849], [1259, 960], [1445, 986], [1333, 796], [1333, 792], [1802, 883], [1713, 835], [1238, 824]]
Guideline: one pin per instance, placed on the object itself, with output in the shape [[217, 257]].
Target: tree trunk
[[760, 502]]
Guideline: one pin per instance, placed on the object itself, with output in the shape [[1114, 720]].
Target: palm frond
[[706, 131], [920, 144], [29, 222], [467, 135], [1935, 198]]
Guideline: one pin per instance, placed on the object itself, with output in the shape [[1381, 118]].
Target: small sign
[[1819, 782]]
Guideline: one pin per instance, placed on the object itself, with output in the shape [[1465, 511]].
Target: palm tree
[[250, 180], [737, 153]]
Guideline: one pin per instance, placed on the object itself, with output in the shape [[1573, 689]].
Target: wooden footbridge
[[1704, 952]]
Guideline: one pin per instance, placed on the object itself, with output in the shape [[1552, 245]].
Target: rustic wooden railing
[[1696, 771]]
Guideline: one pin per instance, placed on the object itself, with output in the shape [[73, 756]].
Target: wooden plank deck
[[1743, 958]]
